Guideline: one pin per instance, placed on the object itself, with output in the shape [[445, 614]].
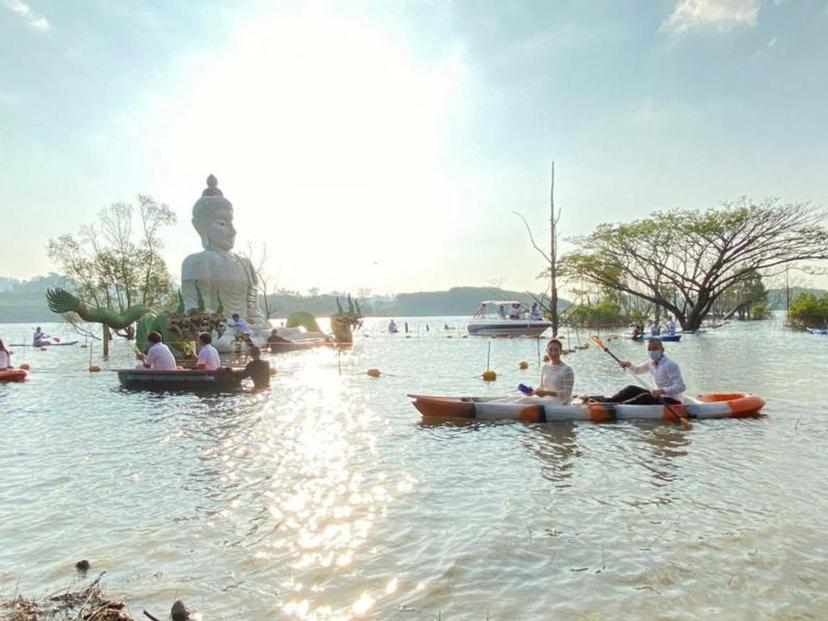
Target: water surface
[[328, 498]]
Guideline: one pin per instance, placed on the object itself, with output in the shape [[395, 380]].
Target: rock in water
[[179, 611]]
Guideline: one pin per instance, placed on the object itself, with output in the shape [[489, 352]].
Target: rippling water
[[328, 498]]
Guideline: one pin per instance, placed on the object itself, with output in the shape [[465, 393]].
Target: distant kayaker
[[655, 329], [208, 356], [557, 377], [666, 374], [671, 326], [638, 330], [5, 357], [39, 337], [158, 356], [257, 369]]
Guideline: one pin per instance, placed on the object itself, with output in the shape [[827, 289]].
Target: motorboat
[[506, 318]]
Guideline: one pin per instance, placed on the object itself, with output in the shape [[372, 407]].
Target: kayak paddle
[[680, 418]]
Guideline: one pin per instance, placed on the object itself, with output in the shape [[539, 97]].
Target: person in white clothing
[[5, 357], [557, 377], [208, 356], [158, 356], [240, 324], [666, 374]]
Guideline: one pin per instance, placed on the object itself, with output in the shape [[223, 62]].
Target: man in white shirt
[[158, 356], [666, 374], [208, 356]]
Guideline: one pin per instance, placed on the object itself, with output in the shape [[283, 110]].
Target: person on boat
[[557, 377], [39, 337], [671, 326], [536, 313], [257, 369], [275, 338], [208, 356], [392, 327], [638, 330], [666, 374], [5, 357], [481, 311], [501, 312], [158, 356], [655, 329]]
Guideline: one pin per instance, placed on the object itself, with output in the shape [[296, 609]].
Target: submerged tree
[[551, 258], [683, 261], [115, 264]]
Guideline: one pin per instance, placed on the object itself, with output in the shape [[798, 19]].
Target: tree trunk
[[106, 338]]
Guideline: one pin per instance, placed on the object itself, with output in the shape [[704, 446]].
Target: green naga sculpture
[[61, 301]]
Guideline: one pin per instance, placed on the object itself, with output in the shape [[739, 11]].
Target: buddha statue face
[[216, 229]]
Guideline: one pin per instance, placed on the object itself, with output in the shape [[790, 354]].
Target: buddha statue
[[222, 277]]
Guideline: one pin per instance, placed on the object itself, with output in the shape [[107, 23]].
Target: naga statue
[[61, 301]]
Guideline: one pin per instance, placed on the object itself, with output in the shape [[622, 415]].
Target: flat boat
[[180, 379]]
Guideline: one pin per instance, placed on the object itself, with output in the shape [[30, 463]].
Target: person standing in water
[[257, 369], [557, 377]]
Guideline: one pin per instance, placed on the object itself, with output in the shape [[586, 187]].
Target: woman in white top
[[5, 357], [557, 377]]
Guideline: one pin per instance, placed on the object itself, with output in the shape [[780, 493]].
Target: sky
[[385, 145]]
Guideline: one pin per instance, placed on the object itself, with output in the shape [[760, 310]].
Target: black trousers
[[637, 395]]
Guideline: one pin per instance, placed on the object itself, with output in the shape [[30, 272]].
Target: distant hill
[[26, 300], [776, 297]]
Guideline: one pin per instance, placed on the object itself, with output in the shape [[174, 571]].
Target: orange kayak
[[13, 375]]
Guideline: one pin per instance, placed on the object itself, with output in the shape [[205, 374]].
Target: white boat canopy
[[502, 303]]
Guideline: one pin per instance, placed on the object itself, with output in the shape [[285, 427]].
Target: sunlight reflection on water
[[328, 498]]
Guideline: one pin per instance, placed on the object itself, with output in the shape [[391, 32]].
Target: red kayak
[[13, 375]]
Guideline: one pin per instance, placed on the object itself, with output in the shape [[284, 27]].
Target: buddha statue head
[[213, 218]]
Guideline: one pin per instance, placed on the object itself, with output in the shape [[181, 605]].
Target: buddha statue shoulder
[[222, 277]]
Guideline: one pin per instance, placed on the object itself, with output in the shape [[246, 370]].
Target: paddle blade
[[596, 339]]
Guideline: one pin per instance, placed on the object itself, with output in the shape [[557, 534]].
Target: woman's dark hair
[[205, 338], [554, 341], [154, 337]]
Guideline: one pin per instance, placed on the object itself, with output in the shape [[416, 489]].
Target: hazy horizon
[[385, 145]]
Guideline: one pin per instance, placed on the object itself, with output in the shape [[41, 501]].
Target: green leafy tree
[[683, 261], [809, 311], [115, 263]]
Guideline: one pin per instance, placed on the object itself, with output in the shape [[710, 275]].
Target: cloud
[[720, 15], [38, 22]]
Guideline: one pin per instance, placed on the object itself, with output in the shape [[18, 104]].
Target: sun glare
[[320, 129]]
